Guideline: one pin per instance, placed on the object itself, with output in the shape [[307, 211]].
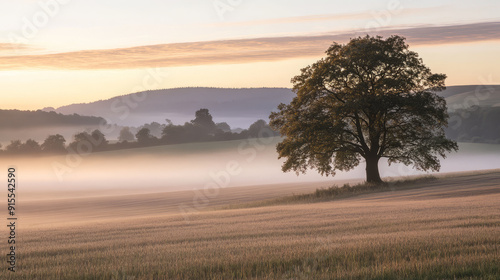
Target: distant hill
[[238, 107], [241, 107], [180, 104], [474, 113], [475, 124], [463, 97]]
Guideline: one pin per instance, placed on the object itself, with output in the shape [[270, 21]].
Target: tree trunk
[[372, 174]]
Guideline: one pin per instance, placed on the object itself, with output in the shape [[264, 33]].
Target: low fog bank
[[179, 119], [197, 166], [112, 132]]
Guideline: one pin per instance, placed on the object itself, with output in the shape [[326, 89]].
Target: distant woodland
[[201, 129], [27, 119], [478, 124], [467, 124], [475, 124]]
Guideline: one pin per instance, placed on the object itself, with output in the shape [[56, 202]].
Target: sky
[[59, 52]]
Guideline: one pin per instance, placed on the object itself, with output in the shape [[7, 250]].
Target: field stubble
[[443, 229]]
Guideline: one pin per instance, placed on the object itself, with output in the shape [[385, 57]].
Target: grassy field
[[447, 228]]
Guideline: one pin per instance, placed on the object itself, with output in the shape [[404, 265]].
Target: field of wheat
[[443, 229]]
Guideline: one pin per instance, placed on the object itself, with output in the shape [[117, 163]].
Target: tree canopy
[[203, 120], [126, 134], [368, 99], [144, 136], [54, 144]]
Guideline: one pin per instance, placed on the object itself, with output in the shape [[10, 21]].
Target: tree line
[[475, 124], [26, 119], [201, 129]]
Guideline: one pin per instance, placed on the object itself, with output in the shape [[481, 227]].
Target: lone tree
[[370, 98]]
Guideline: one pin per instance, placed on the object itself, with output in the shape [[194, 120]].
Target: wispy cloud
[[367, 15], [298, 19], [238, 51], [10, 47]]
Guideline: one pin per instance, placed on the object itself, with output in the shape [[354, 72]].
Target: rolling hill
[[238, 107], [463, 97], [474, 111]]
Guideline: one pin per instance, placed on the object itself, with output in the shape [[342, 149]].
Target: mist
[[40, 133], [196, 166], [179, 119]]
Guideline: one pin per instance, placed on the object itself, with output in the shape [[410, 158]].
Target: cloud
[[453, 34], [10, 47], [298, 19], [239, 51], [368, 15]]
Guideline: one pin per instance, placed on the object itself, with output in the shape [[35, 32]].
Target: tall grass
[[336, 192]]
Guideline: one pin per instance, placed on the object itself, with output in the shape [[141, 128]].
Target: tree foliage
[[368, 99], [475, 124], [14, 146], [28, 119], [203, 120], [155, 128], [126, 134], [89, 142], [54, 144], [223, 126], [144, 136], [31, 147]]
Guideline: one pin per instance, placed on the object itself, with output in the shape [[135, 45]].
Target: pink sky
[[58, 52]]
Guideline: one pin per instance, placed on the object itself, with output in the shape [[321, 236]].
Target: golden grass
[[336, 192], [445, 229]]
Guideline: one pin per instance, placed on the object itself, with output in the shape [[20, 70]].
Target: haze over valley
[[474, 110]]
